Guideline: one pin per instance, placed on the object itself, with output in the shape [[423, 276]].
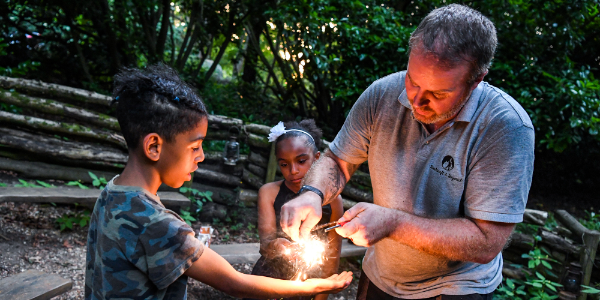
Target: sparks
[[310, 254]]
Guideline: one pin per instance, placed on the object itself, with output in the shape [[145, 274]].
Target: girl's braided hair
[[155, 100]]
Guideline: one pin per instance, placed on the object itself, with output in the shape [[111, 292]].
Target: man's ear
[[152, 144], [317, 155], [478, 80]]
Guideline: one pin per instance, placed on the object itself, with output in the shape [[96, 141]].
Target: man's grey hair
[[454, 34]]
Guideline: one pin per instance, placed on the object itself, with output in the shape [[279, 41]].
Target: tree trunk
[[60, 109], [259, 171], [258, 160], [55, 90], [54, 147], [63, 128]]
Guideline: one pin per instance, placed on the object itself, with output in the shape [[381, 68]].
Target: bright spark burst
[[310, 254]]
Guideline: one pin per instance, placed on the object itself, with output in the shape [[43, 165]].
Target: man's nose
[[420, 100]]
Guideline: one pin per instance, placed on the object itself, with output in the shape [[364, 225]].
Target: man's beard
[[443, 117]]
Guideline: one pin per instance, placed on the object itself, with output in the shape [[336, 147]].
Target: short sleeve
[[499, 177], [352, 141], [166, 248]]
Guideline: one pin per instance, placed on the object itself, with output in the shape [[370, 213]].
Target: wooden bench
[[33, 285], [171, 200]]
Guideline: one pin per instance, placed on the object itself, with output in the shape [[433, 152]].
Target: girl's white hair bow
[[279, 130]]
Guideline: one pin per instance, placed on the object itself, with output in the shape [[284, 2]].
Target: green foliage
[[80, 218], [27, 184], [98, 182], [78, 184], [590, 290], [592, 220], [3, 184], [187, 216], [198, 199], [44, 184], [21, 69]]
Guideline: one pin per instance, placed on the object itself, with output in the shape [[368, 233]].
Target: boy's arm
[[334, 248], [215, 271]]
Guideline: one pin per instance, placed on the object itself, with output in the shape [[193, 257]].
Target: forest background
[[266, 61]]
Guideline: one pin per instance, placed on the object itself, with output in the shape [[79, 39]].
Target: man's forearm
[[459, 239], [329, 176]]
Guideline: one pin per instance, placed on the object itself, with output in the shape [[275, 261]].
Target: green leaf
[[82, 222], [540, 276], [510, 283], [93, 176], [546, 264], [96, 182], [183, 189], [2, 184]]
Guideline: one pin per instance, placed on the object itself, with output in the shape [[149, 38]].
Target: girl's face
[[295, 158]]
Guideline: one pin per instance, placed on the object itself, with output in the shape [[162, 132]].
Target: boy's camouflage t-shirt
[[137, 249]]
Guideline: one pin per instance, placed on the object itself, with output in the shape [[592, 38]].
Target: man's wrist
[[313, 190]]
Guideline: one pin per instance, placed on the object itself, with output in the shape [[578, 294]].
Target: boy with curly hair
[[138, 249]]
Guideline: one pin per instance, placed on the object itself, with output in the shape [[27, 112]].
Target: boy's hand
[[333, 284]]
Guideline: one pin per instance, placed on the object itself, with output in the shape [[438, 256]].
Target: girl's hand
[[281, 247], [333, 284]]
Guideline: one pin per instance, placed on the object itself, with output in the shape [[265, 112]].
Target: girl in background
[[296, 149]]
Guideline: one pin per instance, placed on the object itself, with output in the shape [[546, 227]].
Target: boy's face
[[179, 158]]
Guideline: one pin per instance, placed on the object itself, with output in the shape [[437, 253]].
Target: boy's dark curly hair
[[155, 100], [307, 125]]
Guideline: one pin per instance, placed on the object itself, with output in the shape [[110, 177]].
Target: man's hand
[[300, 215], [368, 223]]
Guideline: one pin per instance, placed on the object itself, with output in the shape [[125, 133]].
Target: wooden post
[[590, 239], [272, 165]]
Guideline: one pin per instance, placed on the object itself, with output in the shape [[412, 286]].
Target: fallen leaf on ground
[[66, 244]]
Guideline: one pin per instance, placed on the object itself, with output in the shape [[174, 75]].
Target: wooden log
[[361, 178], [223, 122], [217, 158], [40, 170], [248, 197], [357, 194], [74, 195], [55, 90], [258, 141], [258, 160], [259, 171], [514, 272], [571, 223], [258, 129], [251, 179], [348, 203], [212, 211], [558, 242], [63, 128], [536, 217], [522, 242], [33, 285], [203, 175], [60, 109], [54, 147]]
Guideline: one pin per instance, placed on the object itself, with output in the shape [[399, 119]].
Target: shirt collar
[[465, 114]]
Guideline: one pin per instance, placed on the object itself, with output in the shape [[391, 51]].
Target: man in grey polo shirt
[[451, 161]]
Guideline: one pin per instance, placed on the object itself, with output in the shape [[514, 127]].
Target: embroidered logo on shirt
[[448, 163]]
